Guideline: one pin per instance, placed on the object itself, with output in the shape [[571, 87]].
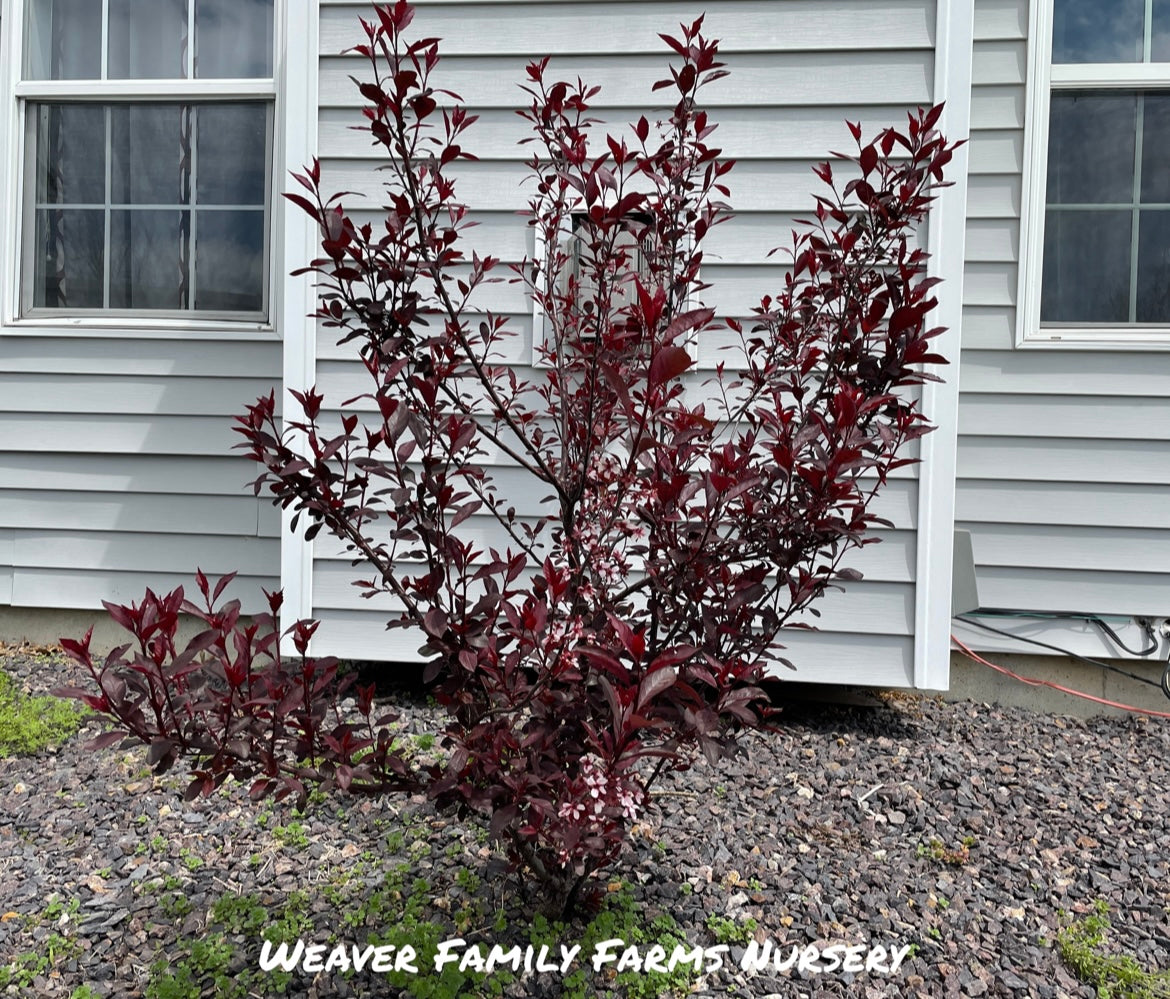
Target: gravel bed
[[969, 833]]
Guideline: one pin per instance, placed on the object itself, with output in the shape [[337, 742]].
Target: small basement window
[[633, 249]]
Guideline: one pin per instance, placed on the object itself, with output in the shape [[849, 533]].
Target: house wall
[[1062, 459], [799, 68], [116, 464], [116, 470]]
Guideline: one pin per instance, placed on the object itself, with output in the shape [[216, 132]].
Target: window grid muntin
[[191, 58], [1135, 211], [105, 38], [193, 183], [107, 251]]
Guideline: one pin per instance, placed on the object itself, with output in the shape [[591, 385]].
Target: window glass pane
[[1153, 289], [1086, 267], [64, 40], [232, 165], [150, 154], [1160, 51], [148, 39], [1098, 30], [69, 259], [71, 154], [1156, 148], [233, 38], [148, 259], [229, 261], [1091, 140], [176, 220]]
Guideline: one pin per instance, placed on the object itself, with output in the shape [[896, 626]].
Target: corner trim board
[[940, 400]]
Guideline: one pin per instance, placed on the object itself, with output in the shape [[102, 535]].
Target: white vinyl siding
[[116, 481], [1063, 470], [799, 68]]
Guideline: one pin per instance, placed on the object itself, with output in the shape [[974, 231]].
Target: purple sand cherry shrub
[[624, 626]]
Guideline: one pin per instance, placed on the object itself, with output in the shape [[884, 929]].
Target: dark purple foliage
[[627, 628]]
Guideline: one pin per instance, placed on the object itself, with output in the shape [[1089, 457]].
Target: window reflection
[[69, 265], [233, 38], [1153, 277], [229, 261], [1107, 227], [64, 40], [147, 39], [1160, 30], [71, 161], [151, 148], [1096, 31], [136, 203], [1156, 148], [148, 251], [1091, 141], [232, 168], [1086, 267]]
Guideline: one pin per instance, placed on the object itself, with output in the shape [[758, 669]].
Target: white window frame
[[1043, 79], [292, 144]]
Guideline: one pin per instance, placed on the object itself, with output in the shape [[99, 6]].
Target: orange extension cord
[[1032, 682]]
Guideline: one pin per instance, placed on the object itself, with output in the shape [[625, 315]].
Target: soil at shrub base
[[960, 830]]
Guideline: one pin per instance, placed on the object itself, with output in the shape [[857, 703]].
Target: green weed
[[728, 931], [24, 969], [1115, 976], [204, 971], [207, 966], [292, 835], [955, 856], [175, 906], [30, 724]]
